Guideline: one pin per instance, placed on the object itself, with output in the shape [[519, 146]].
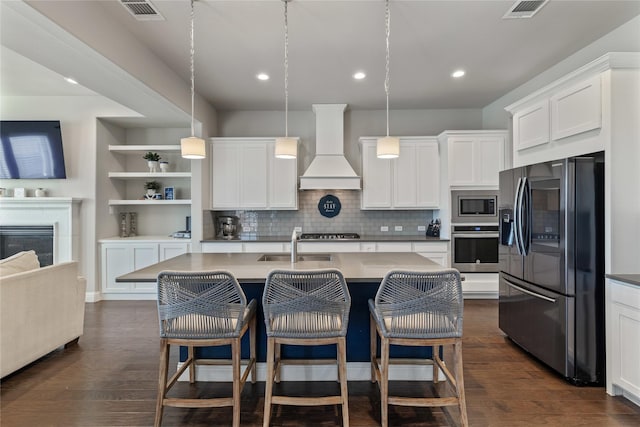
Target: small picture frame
[[169, 193], [19, 192]]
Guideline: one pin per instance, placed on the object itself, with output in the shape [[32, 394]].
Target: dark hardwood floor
[[110, 379]]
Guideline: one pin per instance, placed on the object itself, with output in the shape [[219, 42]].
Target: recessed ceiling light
[[263, 76], [70, 80], [359, 75], [457, 74]]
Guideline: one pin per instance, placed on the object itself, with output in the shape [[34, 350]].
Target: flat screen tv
[[31, 150]]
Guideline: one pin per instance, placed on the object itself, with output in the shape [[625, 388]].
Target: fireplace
[[17, 238], [58, 217]]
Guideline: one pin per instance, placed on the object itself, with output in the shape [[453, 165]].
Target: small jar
[[41, 192]]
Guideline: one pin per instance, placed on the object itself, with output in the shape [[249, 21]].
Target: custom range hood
[[329, 170]]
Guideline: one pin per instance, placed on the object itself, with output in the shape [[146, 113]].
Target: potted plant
[[151, 187], [152, 161]]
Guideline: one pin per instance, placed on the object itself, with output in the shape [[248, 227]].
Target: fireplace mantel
[[63, 213]]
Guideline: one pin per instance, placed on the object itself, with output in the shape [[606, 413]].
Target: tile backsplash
[[351, 218]]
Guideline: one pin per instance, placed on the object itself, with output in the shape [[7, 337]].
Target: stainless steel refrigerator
[[551, 256]]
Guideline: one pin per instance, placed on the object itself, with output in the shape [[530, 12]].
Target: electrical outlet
[[384, 228], [297, 229], [398, 228], [422, 228]]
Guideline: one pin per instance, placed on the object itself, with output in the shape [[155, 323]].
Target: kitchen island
[[363, 273], [250, 267]]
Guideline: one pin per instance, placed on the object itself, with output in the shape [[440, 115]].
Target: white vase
[[41, 192], [153, 166], [164, 166], [150, 193]]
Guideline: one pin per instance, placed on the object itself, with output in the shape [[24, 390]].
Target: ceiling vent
[[142, 10], [524, 9]]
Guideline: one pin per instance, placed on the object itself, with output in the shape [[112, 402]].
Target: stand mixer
[[227, 227]]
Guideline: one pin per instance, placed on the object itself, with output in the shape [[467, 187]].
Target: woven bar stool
[[203, 309], [305, 308], [418, 309]]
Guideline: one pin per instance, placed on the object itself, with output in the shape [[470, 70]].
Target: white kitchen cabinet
[[246, 175], [263, 247], [416, 180], [480, 285], [435, 251], [412, 181], [531, 126], [376, 179], [252, 174], [122, 257], [173, 249], [576, 109], [394, 247], [221, 247], [475, 158], [328, 247], [623, 339], [283, 181]]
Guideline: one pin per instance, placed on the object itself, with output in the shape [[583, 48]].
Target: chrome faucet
[[294, 246]]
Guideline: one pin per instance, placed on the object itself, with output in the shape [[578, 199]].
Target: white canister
[[41, 192]]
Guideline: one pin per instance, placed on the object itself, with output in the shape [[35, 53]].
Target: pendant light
[[286, 148], [389, 146], [192, 147]]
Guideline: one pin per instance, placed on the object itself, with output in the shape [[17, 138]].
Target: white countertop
[[356, 267]]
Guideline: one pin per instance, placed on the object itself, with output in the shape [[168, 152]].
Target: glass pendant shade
[[193, 148], [286, 148], [388, 147]]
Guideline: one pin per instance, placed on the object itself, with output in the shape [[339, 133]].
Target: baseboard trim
[[480, 295], [356, 371], [129, 296], [92, 297]]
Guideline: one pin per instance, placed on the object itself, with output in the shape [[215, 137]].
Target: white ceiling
[[330, 40]]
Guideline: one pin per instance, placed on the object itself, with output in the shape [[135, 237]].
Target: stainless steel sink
[[287, 257]]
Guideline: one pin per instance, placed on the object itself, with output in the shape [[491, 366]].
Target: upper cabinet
[[558, 115], [475, 158], [576, 109], [246, 175], [531, 126], [412, 181]]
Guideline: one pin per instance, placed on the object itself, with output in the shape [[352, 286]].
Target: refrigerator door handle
[[525, 222], [516, 220], [528, 292]]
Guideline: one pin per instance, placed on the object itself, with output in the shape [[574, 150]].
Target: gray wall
[[625, 38], [356, 124]]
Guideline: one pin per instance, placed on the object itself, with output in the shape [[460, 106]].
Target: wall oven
[[474, 248]]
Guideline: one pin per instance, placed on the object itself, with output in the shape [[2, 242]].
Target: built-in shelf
[[118, 202], [142, 149], [137, 175]]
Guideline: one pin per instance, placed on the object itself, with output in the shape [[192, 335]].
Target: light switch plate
[[422, 228], [384, 228], [398, 228]]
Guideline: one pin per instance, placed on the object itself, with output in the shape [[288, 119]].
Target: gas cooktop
[[329, 236]]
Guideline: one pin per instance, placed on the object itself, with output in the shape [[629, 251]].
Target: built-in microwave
[[474, 206]]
